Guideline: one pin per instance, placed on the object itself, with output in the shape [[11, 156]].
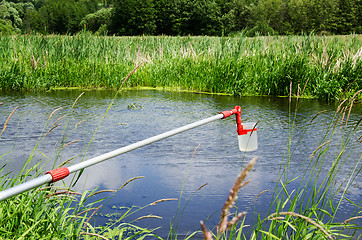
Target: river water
[[178, 166]]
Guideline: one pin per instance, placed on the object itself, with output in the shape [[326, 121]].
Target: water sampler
[[247, 138]]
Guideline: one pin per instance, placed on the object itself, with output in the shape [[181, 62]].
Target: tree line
[[181, 17]]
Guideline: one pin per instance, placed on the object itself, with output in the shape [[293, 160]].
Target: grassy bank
[[322, 67], [305, 204]]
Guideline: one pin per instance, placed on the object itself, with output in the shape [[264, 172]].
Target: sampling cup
[[248, 139]]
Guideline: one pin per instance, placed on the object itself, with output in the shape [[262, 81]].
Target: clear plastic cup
[[249, 141]]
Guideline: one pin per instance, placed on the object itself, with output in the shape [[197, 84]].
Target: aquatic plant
[[306, 201], [231, 65], [56, 211]]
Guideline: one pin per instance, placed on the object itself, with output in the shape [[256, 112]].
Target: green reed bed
[[324, 67]]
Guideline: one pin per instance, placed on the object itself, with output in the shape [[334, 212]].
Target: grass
[[308, 211], [325, 67], [55, 211], [305, 204]]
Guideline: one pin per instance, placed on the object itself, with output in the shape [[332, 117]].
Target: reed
[[327, 67], [306, 201], [57, 212]]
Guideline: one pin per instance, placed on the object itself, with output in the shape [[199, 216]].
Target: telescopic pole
[[60, 173]]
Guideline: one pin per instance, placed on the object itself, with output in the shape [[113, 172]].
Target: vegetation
[[55, 211], [322, 67], [306, 201], [308, 211], [181, 17]]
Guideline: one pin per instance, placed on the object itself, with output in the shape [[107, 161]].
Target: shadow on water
[[170, 163]]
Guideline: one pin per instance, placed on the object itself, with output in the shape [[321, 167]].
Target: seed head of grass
[[224, 224], [307, 219]]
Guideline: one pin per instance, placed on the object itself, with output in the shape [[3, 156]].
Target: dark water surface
[[169, 168]]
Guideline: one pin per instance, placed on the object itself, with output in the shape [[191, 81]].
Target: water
[[171, 168]]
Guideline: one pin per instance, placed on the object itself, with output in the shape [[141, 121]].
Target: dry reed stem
[[349, 111], [340, 105], [67, 144], [76, 125], [52, 129], [352, 218], [133, 71], [345, 91], [102, 191], [34, 62], [244, 183], [317, 115], [130, 180], [233, 221], [307, 219], [193, 154], [298, 92], [67, 161], [86, 222], [290, 91], [358, 122], [76, 100], [57, 120], [206, 233], [313, 153], [163, 200], [262, 193], [252, 130], [148, 216], [358, 92], [343, 114], [94, 235], [203, 185], [62, 192], [305, 85], [50, 116], [233, 197], [82, 212], [7, 120]]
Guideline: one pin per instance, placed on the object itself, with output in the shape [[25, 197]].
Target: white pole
[[142, 143], [61, 173]]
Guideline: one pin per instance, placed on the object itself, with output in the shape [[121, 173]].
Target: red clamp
[[59, 173], [236, 110]]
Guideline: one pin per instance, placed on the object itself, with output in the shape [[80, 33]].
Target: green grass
[[308, 211], [321, 67], [306, 201], [55, 211]]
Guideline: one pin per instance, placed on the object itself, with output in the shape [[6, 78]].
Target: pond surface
[[172, 168]]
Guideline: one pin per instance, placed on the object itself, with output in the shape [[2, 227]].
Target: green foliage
[[134, 17], [6, 27], [56, 212], [98, 21], [325, 67], [197, 18], [9, 13]]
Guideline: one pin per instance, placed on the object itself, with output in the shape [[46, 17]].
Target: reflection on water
[[169, 166]]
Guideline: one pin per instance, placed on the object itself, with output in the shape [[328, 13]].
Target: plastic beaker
[[248, 139]]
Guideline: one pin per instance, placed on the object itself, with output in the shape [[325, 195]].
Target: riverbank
[[308, 166], [317, 66]]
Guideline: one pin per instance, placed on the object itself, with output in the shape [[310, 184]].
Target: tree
[[6, 27], [197, 17], [133, 17], [94, 21], [10, 16], [164, 11], [63, 16]]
